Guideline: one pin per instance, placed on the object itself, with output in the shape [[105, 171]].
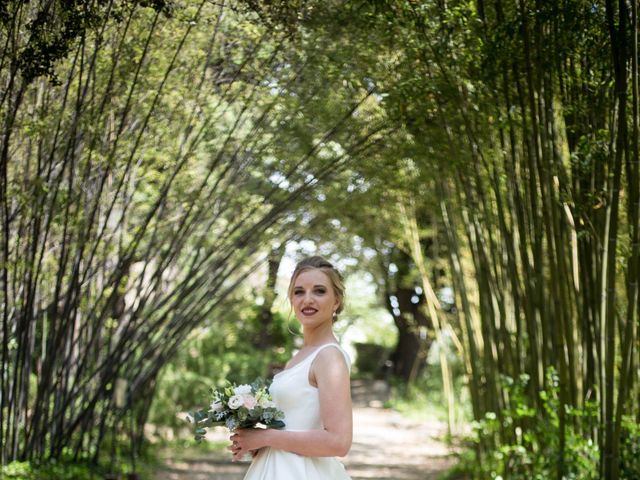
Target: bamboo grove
[[516, 157], [528, 112], [148, 155]]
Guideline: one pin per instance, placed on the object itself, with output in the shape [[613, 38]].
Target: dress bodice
[[300, 403], [296, 397]]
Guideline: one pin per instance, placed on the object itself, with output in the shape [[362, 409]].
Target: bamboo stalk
[[412, 238]]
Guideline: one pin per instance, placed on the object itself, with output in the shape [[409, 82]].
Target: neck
[[318, 336]]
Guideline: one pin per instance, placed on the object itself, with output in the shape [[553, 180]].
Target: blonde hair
[[319, 263]]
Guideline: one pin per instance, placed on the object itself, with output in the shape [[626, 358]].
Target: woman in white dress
[[313, 390]]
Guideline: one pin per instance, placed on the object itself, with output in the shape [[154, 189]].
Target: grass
[[185, 449], [65, 468], [424, 400], [73, 471]]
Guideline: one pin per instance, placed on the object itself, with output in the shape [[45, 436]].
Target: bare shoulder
[[331, 361]]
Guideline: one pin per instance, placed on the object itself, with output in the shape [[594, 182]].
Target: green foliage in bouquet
[[238, 406]]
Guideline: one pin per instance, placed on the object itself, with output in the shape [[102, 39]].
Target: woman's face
[[313, 298]]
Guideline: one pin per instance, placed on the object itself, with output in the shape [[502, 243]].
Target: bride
[[313, 390]]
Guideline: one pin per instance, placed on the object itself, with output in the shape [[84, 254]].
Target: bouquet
[[238, 406]]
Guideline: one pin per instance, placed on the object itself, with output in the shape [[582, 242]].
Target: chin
[[312, 322]]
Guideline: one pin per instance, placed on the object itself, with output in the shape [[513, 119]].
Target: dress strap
[[322, 347]]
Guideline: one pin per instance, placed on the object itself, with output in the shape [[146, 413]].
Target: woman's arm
[[330, 373]]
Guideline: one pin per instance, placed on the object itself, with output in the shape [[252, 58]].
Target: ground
[[386, 446]]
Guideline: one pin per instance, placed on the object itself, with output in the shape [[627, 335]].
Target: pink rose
[[250, 401]]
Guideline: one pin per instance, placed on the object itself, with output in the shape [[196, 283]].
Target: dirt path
[[386, 446]]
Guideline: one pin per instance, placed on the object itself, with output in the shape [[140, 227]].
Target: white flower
[[216, 406], [242, 390], [236, 402]]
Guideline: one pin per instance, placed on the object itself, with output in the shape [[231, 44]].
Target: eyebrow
[[318, 285]]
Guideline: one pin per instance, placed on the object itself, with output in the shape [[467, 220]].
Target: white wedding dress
[[300, 403]]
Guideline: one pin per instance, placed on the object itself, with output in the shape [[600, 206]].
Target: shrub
[[522, 443]]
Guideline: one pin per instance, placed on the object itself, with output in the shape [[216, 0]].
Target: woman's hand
[[248, 440]]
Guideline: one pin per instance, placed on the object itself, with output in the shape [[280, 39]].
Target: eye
[[321, 290]]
